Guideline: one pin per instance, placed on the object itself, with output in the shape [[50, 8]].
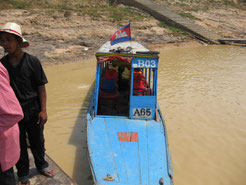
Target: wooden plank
[[158, 156], [124, 151], [237, 42], [115, 126], [139, 163], [60, 177], [144, 154], [101, 150], [130, 155]]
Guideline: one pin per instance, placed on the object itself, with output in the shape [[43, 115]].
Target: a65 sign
[[142, 113]]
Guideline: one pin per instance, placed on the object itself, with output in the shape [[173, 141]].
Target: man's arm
[[42, 116]]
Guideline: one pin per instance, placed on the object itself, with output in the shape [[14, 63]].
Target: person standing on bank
[[28, 80], [10, 114]]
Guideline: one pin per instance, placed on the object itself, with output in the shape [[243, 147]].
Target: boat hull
[[126, 133]]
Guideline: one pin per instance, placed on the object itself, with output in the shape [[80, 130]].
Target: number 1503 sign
[[145, 63], [142, 113]]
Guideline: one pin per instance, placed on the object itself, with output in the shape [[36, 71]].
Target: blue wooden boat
[[126, 134]]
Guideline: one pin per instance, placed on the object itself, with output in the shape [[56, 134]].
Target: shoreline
[[48, 64], [57, 38]]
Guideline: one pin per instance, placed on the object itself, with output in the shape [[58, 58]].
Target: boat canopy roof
[[126, 49]]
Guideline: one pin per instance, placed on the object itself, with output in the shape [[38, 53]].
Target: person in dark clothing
[[28, 80]]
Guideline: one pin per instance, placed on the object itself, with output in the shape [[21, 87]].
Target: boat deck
[[134, 151]]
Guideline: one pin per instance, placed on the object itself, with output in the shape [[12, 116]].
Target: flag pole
[[131, 34]]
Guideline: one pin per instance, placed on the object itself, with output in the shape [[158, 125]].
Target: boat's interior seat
[[108, 85], [140, 85], [108, 91]]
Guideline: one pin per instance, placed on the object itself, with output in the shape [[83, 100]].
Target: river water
[[202, 95]]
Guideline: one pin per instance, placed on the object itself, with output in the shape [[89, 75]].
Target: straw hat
[[13, 28]]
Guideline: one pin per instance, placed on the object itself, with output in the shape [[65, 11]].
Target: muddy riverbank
[[68, 36]]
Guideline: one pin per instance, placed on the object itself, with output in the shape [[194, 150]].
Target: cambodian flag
[[122, 35]]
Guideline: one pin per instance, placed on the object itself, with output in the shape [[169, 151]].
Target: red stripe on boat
[[128, 136]]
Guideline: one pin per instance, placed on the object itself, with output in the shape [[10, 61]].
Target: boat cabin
[[126, 81]]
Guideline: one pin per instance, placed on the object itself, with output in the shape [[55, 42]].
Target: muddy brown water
[[202, 95]]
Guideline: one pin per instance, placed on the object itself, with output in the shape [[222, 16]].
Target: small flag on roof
[[122, 35]]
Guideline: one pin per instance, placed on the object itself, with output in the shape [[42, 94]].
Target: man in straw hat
[[28, 80], [10, 114]]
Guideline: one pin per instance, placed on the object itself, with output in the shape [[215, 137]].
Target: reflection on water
[[69, 90], [201, 91]]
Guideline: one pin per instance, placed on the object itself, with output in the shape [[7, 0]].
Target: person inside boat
[[113, 66], [125, 73], [109, 80], [108, 91], [139, 83]]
